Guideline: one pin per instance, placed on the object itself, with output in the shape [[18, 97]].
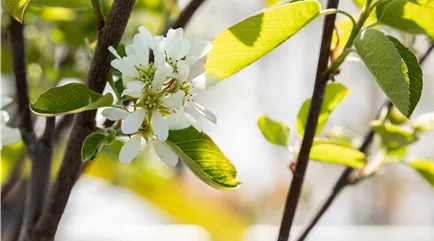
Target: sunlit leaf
[[74, 4], [393, 66], [424, 123], [275, 132], [336, 154], [68, 99], [242, 44], [334, 94], [406, 16], [393, 136], [425, 168], [344, 135], [94, 143], [16, 8], [396, 117], [333, 141], [203, 157]]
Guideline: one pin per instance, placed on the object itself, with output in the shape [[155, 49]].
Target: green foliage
[[396, 117], [393, 66], [68, 99], [203, 157], [270, 3], [73, 4], [337, 154], [425, 168], [242, 44], [393, 137], [94, 143], [16, 8], [334, 94], [276, 132], [406, 16]]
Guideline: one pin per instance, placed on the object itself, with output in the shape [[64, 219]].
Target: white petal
[[146, 36], [178, 122], [183, 71], [10, 135], [126, 66], [204, 81], [4, 117], [133, 121], [161, 74], [197, 51], [160, 126], [130, 149], [6, 100], [115, 114], [141, 49], [149, 154], [126, 79], [173, 37], [206, 113], [114, 52], [175, 100], [166, 153], [179, 51], [134, 89]]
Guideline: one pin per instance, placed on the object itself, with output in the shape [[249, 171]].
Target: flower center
[[146, 75], [151, 102]]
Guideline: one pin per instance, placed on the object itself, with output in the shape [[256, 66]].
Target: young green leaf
[[407, 16], [424, 123], [334, 94], [16, 8], [203, 157], [425, 168], [393, 137], [68, 99], [275, 132], [94, 143], [393, 66], [242, 44], [73, 4], [336, 154]]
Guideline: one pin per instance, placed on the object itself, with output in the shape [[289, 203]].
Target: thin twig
[[84, 122], [14, 178], [185, 15], [321, 79], [344, 178]]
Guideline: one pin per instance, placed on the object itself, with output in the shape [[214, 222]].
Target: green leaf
[[16, 8], [73, 4], [406, 16], [393, 66], [336, 154], [334, 94], [203, 157], [269, 3], [94, 143], [424, 123], [242, 44], [68, 99], [424, 168], [276, 132], [333, 141], [392, 136], [426, 3]]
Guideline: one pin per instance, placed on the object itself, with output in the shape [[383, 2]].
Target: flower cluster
[[160, 90], [9, 135]]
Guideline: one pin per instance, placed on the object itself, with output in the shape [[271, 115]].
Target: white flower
[[154, 150], [8, 135]]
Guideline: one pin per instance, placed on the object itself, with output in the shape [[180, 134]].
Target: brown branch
[[344, 179], [185, 15], [84, 122], [322, 76], [14, 178]]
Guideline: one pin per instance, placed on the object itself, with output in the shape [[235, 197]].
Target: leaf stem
[[334, 11], [321, 79], [98, 14], [343, 180]]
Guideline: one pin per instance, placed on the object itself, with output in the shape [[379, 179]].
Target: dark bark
[[322, 76]]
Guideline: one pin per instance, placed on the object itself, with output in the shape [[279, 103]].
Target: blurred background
[[150, 201]]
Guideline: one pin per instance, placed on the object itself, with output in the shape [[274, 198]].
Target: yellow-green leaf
[[94, 143], [392, 136], [406, 16], [242, 44], [337, 154], [16, 8], [425, 168], [203, 157], [275, 132], [424, 123], [334, 94], [68, 99], [393, 66]]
